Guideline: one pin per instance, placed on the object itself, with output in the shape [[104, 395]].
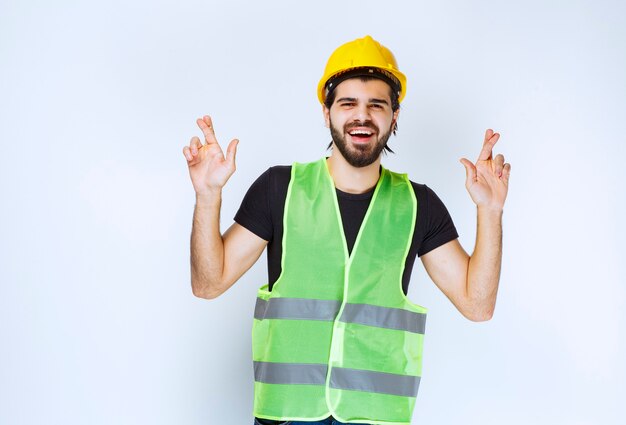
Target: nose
[[361, 112]]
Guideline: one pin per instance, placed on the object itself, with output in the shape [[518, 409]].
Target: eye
[[377, 106]]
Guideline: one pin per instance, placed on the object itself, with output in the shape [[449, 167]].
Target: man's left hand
[[487, 181]]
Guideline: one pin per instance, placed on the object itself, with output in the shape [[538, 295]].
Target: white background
[[97, 321]]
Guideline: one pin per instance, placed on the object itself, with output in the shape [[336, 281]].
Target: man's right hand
[[217, 261], [208, 168]]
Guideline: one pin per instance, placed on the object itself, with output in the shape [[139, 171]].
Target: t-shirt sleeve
[[439, 228], [254, 213]]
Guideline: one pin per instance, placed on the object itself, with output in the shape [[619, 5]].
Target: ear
[[395, 116], [326, 113]]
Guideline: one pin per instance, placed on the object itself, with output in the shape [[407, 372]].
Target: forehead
[[356, 88]]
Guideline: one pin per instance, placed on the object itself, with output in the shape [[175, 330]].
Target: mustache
[[354, 124]]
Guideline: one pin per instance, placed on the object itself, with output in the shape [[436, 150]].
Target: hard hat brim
[[371, 72]]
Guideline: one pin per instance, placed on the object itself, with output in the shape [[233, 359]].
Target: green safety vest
[[336, 335]]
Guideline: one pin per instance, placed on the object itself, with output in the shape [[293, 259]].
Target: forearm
[[207, 247], [483, 273]]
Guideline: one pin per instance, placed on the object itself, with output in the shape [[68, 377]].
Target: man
[[335, 340]]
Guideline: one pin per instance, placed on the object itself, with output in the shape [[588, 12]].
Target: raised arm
[[471, 282], [217, 261]]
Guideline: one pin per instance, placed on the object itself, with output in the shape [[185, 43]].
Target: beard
[[359, 155]]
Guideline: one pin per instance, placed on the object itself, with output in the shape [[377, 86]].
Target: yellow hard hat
[[366, 54]]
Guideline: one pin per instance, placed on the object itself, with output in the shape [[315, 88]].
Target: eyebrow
[[383, 101], [353, 99]]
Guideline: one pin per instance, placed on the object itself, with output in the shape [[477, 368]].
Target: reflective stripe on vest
[[341, 378], [336, 335], [372, 315]]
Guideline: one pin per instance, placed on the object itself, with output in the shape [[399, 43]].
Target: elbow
[[205, 295], [482, 317], [205, 290], [479, 313]]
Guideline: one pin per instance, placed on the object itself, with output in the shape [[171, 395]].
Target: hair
[[395, 104]]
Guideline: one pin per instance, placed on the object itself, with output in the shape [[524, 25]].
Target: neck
[[350, 179]]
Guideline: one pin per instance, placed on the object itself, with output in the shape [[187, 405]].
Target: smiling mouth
[[360, 135]]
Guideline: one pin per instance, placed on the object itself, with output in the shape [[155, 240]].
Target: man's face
[[361, 120]]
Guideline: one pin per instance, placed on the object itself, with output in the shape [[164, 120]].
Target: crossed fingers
[[499, 167], [490, 140], [206, 125]]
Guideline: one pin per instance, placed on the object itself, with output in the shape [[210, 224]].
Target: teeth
[[367, 133]]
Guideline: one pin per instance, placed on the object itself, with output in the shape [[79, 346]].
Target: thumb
[[470, 171], [231, 152]]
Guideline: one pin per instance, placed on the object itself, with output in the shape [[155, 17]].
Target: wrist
[[208, 195], [490, 210]]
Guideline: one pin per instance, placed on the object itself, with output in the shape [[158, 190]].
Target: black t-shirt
[[262, 208]]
